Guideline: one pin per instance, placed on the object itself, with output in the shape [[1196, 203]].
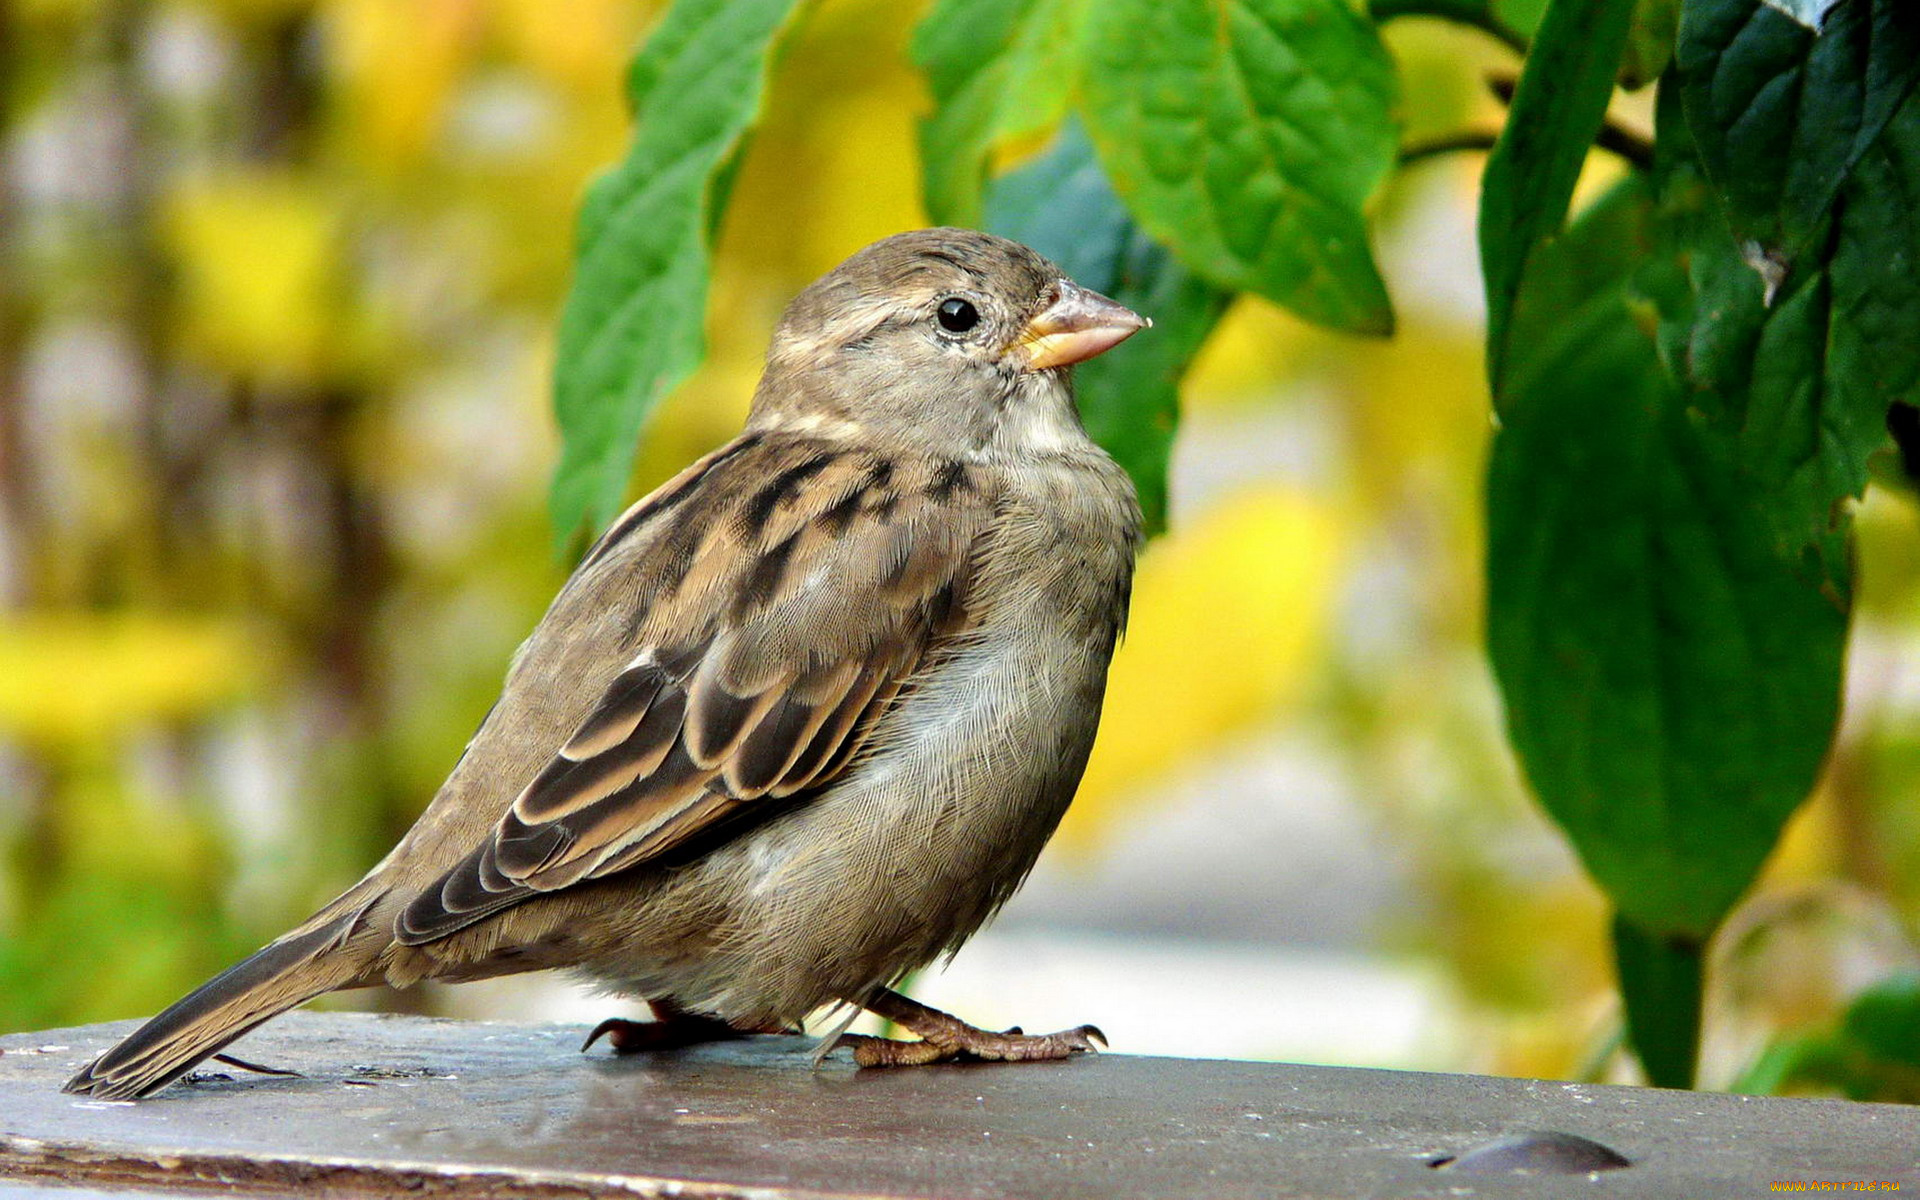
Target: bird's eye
[[957, 315]]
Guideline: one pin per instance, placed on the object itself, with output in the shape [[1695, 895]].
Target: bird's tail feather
[[290, 971]]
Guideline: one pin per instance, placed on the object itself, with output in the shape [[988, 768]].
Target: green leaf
[[1557, 110], [1581, 281], [1248, 136], [1523, 16], [1799, 384], [1781, 1065], [1783, 105], [1884, 1020], [1650, 42], [1872, 1054], [1671, 675], [633, 325], [999, 70], [1062, 205], [1660, 986], [1875, 269]]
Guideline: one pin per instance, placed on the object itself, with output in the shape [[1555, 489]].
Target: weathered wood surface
[[387, 1106]]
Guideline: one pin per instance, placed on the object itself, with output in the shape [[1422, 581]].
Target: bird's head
[[949, 336]]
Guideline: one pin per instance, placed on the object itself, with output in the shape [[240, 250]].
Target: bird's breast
[[967, 778], [946, 809]]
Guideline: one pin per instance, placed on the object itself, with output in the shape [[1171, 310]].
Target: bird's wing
[[781, 595]]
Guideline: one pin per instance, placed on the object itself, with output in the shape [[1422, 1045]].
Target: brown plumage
[[803, 718]]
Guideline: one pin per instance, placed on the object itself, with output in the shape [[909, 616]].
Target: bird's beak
[[1075, 327]]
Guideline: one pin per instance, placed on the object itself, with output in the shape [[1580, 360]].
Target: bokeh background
[[278, 280]]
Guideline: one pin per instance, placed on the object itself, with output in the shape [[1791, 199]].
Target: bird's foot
[[673, 1031], [982, 1045], [945, 1038]]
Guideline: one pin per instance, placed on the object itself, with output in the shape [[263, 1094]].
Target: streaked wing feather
[[836, 738], [788, 593]]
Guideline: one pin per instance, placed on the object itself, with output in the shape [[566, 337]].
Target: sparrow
[[801, 720]]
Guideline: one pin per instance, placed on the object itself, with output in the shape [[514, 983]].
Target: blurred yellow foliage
[[1229, 618], [1888, 582], [258, 254], [833, 164], [77, 677], [395, 63], [243, 13], [578, 43], [1256, 347], [53, 12]]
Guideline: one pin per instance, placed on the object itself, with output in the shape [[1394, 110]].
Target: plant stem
[[1617, 139], [1468, 140], [1475, 14]]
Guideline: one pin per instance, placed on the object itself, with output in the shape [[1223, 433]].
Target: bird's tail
[[296, 968]]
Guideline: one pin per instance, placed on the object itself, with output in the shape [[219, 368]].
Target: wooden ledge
[[405, 1105]]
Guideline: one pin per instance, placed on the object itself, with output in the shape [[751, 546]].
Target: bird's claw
[[614, 1027], [673, 1032]]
